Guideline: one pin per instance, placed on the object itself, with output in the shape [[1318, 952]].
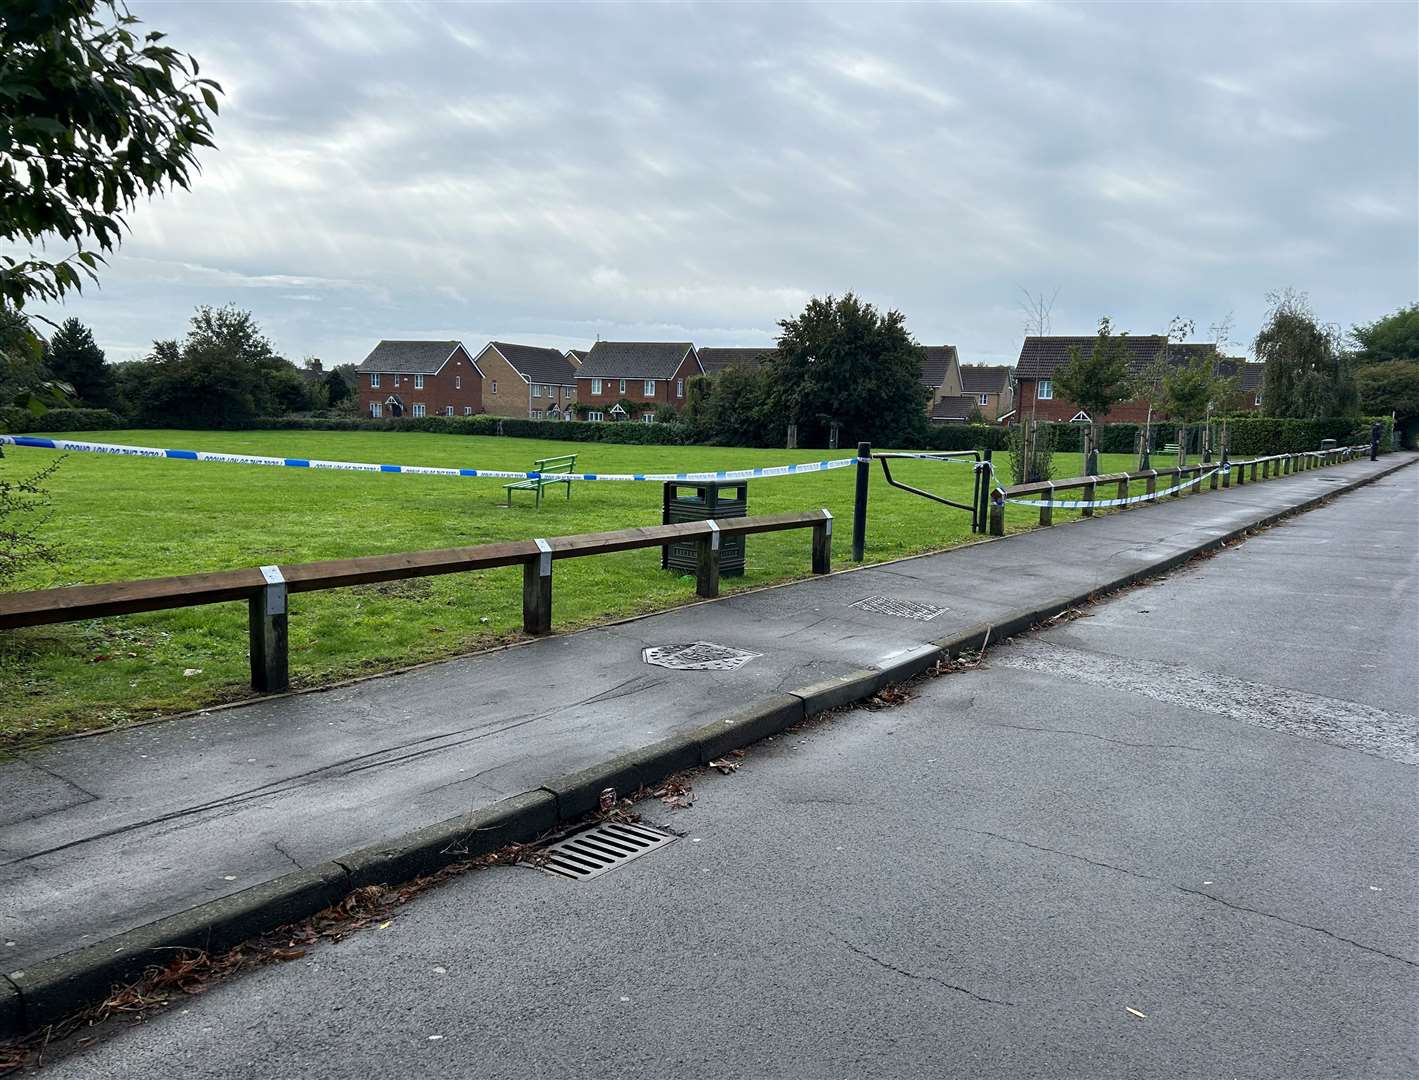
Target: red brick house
[[990, 388], [419, 378], [649, 372], [1040, 357], [526, 381]]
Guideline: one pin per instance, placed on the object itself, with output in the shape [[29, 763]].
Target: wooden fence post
[[1046, 510], [1177, 482], [707, 563], [537, 590], [1122, 492], [1151, 488], [997, 512], [823, 545], [1088, 496], [267, 626]]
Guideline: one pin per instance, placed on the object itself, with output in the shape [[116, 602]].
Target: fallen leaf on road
[[386, 924], [287, 954], [1135, 1012], [725, 765]]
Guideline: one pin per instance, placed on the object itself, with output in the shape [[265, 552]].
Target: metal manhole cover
[[697, 656], [902, 609], [602, 848]]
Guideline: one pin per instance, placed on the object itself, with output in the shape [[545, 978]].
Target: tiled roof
[[537, 364], [713, 360], [984, 379], [1039, 356], [955, 408], [634, 359], [578, 355], [935, 362], [409, 357]]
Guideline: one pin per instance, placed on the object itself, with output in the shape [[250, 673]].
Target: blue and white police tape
[[1080, 504], [415, 470]]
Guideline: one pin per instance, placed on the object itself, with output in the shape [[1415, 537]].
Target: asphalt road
[[1173, 838]]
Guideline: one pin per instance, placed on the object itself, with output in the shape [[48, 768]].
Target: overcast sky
[[548, 174]]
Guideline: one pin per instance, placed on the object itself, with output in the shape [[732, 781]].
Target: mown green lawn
[[120, 518]]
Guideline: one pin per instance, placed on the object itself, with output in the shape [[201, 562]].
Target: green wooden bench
[[564, 464], [1171, 448]]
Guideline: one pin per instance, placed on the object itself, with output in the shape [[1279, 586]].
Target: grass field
[[119, 518]]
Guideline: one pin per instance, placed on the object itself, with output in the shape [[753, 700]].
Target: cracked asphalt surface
[[1035, 868]]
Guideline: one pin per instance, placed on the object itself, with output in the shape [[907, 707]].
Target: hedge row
[[17, 421], [1273, 435], [1248, 434]]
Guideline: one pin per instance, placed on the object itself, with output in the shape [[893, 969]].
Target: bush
[[17, 421], [964, 437], [1279, 435]]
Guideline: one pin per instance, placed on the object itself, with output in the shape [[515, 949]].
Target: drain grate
[[902, 609], [697, 656], [602, 848]]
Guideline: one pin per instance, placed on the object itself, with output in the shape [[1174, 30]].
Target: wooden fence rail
[[266, 588], [1236, 471]]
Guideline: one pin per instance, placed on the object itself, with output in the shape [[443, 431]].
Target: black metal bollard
[[859, 506], [1374, 442]]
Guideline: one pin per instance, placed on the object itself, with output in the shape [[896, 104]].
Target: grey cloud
[[553, 172]]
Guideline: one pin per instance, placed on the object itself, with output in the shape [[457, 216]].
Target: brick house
[[526, 381], [714, 360], [419, 378], [941, 375], [990, 388], [1250, 376], [653, 372], [1040, 357]]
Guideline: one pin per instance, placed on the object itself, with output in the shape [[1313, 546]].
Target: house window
[[985, 399], [650, 388], [1257, 400], [1045, 391], [418, 382], [468, 410], [495, 386], [595, 415], [374, 380], [458, 382], [376, 409], [622, 388], [647, 418], [569, 391], [536, 389], [596, 388], [448, 410], [537, 414], [419, 410], [679, 387]]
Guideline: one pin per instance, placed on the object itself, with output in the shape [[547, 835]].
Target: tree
[[224, 370], [93, 117], [735, 408], [74, 357], [1098, 380], [1392, 386], [1307, 374], [842, 360], [1038, 310], [1395, 337], [1193, 390], [24, 380], [337, 390]]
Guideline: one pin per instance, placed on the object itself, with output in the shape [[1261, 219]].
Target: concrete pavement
[[1037, 868], [113, 834]]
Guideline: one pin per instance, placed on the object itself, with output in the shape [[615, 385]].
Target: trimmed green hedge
[[17, 421], [1274, 435], [564, 430]]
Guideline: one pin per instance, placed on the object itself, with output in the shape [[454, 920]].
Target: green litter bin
[[697, 500]]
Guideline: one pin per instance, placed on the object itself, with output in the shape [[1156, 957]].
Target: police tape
[[413, 470], [1080, 504]]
